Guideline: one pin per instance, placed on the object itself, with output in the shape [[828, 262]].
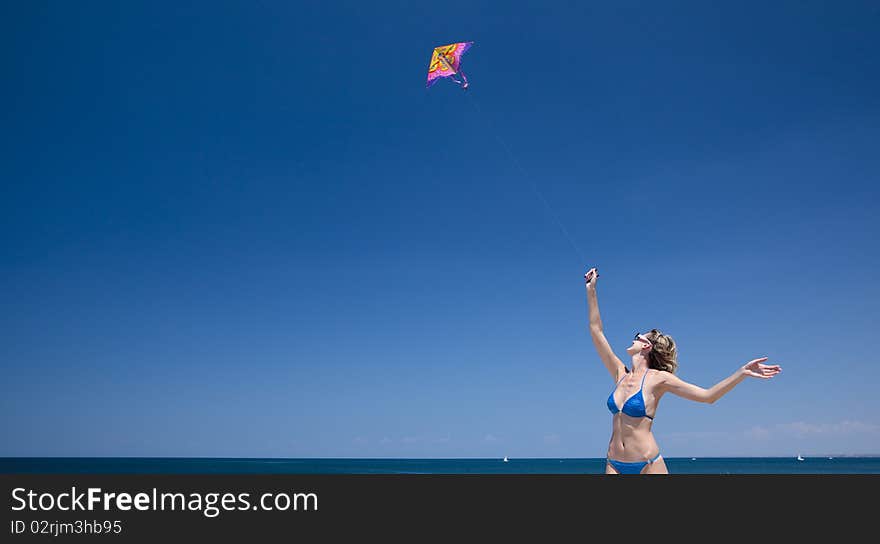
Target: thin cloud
[[758, 433], [702, 435], [803, 428], [426, 439], [799, 429]]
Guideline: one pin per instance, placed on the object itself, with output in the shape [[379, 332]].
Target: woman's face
[[640, 343]]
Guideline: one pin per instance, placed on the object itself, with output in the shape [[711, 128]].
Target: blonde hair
[[664, 354]]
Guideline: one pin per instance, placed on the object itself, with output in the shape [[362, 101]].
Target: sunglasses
[[642, 338]]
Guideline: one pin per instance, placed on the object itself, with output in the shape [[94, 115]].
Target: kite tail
[[464, 84]]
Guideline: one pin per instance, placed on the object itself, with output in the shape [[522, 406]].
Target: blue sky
[[248, 229]]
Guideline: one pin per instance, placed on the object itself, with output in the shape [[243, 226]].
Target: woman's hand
[[755, 369], [590, 278]]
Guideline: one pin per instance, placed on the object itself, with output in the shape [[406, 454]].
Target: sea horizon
[[448, 457], [799, 464]]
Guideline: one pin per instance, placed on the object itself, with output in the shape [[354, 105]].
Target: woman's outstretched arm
[[612, 362], [754, 368]]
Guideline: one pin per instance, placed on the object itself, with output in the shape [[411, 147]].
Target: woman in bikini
[[638, 390]]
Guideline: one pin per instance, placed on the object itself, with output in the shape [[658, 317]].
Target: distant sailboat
[[505, 458], [799, 458]]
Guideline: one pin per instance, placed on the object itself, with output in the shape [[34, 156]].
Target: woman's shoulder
[[658, 376]]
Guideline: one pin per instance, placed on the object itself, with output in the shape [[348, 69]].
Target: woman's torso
[[635, 400]]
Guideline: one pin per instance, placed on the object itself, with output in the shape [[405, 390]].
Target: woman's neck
[[639, 364]]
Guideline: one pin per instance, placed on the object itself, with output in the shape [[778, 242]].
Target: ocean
[[204, 465]]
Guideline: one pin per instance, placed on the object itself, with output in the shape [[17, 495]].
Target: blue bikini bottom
[[630, 468]]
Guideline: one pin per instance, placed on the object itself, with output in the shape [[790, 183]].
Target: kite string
[[532, 183]]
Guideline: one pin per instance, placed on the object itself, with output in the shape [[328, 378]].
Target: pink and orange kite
[[446, 62]]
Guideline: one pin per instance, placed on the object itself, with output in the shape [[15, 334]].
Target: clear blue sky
[[247, 229]]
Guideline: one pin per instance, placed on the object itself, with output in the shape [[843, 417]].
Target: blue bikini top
[[634, 406]]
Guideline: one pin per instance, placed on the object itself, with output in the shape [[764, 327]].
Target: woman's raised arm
[[609, 359]]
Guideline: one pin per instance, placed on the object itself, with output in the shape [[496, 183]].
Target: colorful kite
[[445, 62]]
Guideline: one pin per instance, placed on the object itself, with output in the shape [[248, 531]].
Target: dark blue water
[[199, 465]]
